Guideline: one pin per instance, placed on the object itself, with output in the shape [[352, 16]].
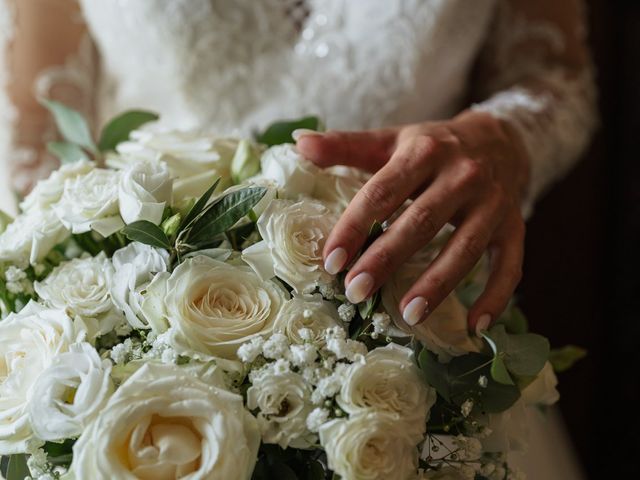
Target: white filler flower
[[307, 312], [31, 340], [135, 266], [374, 446], [70, 393], [293, 238], [165, 422], [211, 308], [145, 188]]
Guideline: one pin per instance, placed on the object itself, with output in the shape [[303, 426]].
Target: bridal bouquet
[[168, 316]]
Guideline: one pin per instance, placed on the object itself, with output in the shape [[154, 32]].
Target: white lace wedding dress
[[225, 65]]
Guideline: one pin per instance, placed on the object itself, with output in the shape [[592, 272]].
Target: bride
[[471, 109]]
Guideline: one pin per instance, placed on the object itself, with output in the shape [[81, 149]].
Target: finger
[[413, 229], [368, 150], [380, 197], [455, 261], [506, 272]]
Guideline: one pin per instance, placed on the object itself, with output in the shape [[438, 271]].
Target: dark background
[[582, 268]]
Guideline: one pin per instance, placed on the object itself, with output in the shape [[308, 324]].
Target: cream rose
[[49, 191], [90, 202], [31, 340], [135, 266], [69, 393], [336, 186], [284, 167], [446, 332], [194, 159], [144, 190], [82, 287], [211, 308], [372, 446], [293, 237], [30, 237], [166, 422], [284, 402], [388, 381], [309, 312]]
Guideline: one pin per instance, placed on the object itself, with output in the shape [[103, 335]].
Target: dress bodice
[[226, 64]]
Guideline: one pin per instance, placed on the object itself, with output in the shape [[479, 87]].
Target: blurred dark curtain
[[582, 270]]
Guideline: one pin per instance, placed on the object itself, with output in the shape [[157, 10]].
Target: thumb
[[368, 149]]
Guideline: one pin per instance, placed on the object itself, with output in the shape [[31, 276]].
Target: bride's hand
[[470, 171]]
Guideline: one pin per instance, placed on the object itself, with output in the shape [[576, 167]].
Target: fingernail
[[483, 323], [415, 310], [335, 260], [299, 132], [359, 288]]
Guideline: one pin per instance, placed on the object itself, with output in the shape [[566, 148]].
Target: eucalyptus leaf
[[72, 125], [66, 152], [564, 358], [148, 233], [524, 354], [119, 129], [17, 469], [280, 132], [223, 214], [499, 371], [199, 205]]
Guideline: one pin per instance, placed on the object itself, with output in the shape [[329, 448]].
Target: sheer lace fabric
[[225, 65]]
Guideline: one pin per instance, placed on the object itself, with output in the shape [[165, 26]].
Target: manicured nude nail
[[335, 260], [415, 310], [483, 323], [300, 132], [359, 288]]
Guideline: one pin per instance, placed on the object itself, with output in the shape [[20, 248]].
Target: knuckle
[[421, 220], [470, 172], [376, 195], [439, 286], [514, 274], [471, 247], [381, 258], [354, 230], [425, 145]]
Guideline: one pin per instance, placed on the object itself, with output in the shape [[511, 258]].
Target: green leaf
[[71, 124], [118, 129], [523, 354], [199, 205], [17, 469], [222, 215], [516, 322], [367, 308], [499, 371], [246, 162], [171, 225], [280, 132], [457, 381], [5, 221], [148, 233], [66, 152], [564, 358], [374, 232]]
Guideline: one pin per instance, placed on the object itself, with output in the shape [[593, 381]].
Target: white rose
[[388, 381], [374, 446], [284, 402], [135, 266], [310, 312], [69, 393], [211, 308], [445, 332], [90, 202], [293, 237], [166, 423], [82, 287], [194, 159], [30, 237], [542, 391], [145, 189], [293, 176], [336, 186], [31, 340], [49, 191]]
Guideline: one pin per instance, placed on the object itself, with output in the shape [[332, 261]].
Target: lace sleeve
[[44, 51], [536, 74]]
